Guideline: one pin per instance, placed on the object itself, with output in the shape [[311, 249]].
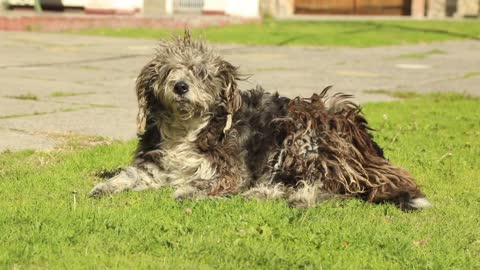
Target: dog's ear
[[187, 37], [144, 88], [230, 92]]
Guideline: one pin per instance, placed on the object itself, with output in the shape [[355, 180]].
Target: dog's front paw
[[189, 193], [307, 198], [265, 192], [99, 190]]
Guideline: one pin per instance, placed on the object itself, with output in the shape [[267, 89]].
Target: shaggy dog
[[203, 136]]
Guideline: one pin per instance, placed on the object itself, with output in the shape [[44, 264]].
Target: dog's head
[[187, 79]]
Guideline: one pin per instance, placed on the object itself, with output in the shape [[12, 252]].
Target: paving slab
[[15, 141], [85, 84], [12, 107], [107, 122]]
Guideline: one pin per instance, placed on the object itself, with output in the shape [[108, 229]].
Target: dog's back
[[200, 134]]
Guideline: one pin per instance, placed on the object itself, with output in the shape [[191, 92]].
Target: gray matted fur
[[203, 136]]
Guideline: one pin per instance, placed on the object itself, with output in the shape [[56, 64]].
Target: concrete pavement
[[53, 84]]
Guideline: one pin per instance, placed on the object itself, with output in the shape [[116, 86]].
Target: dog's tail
[[419, 203]]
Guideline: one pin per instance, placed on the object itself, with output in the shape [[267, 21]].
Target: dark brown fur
[[332, 145], [328, 144]]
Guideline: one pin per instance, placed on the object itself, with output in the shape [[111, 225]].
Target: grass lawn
[[327, 33], [437, 137]]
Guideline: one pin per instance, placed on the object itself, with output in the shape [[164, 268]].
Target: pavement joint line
[[10, 116], [18, 130], [55, 100], [53, 133], [455, 78], [102, 59], [92, 105]]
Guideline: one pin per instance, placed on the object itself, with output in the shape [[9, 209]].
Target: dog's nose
[[180, 88]]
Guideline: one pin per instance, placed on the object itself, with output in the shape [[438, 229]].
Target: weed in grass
[[471, 75], [44, 227], [88, 67], [378, 92], [422, 55], [405, 94], [395, 94], [461, 77], [271, 69], [27, 96], [33, 28], [69, 94], [41, 113], [89, 83], [24, 115], [103, 106], [37, 78]]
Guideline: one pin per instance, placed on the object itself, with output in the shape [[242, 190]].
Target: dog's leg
[[189, 192], [265, 192], [308, 195], [131, 178], [215, 187], [197, 189]]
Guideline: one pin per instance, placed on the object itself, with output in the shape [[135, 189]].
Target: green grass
[[421, 55], [329, 33], [436, 137]]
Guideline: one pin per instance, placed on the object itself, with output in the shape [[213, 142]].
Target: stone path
[[53, 84]]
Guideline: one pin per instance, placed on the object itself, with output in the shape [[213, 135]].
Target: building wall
[[451, 7], [19, 2], [468, 8], [113, 6], [277, 8], [240, 8], [154, 7], [244, 8], [93, 4], [418, 8], [437, 9], [214, 6], [267, 7], [74, 3]]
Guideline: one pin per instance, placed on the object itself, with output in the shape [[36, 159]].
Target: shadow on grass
[[368, 27], [289, 40], [429, 30], [375, 26], [365, 27]]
